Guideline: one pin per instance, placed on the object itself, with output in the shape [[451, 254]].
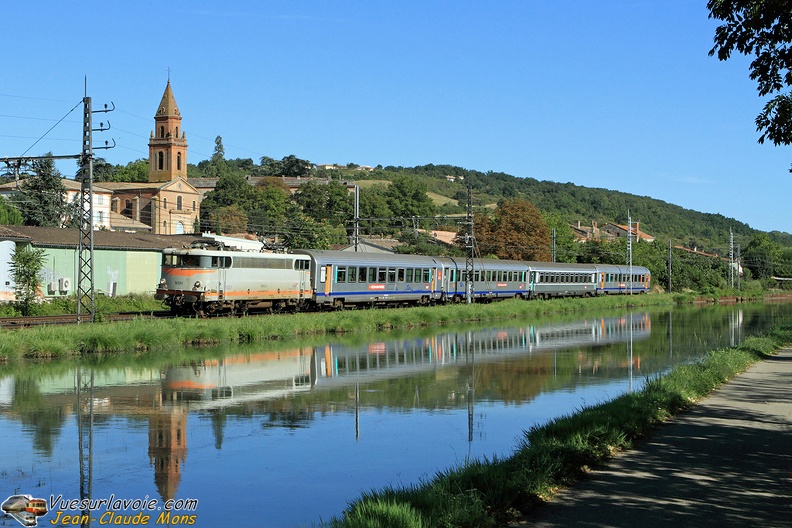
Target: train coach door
[[327, 278], [303, 269], [221, 264]]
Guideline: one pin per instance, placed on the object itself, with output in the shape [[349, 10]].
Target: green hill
[[575, 203]]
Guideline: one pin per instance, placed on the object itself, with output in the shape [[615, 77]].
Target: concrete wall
[[116, 272]]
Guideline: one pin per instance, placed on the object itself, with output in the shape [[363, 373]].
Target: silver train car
[[208, 281]]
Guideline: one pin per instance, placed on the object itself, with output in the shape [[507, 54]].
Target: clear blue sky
[[617, 94]]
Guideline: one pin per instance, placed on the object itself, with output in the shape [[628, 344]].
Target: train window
[[382, 274], [427, 275], [341, 273], [400, 275], [372, 274], [352, 274], [362, 273], [170, 260], [409, 277], [391, 274], [302, 264], [476, 276]]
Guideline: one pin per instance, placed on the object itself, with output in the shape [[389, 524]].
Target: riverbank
[[145, 335], [553, 456]]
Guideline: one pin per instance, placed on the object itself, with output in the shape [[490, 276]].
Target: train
[[209, 279]]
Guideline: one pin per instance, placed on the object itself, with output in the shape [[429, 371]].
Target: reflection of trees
[[45, 422]]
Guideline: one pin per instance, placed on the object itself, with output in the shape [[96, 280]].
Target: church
[[167, 204]]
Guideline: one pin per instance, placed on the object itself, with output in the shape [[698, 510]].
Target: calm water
[[287, 436]]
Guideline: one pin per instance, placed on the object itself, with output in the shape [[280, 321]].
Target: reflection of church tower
[[168, 144], [168, 448]]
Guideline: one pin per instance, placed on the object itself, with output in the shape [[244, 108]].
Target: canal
[[286, 435]]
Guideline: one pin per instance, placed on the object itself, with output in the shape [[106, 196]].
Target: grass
[[162, 334], [554, 455]]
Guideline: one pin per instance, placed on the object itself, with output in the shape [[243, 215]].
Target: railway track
[[39, 320]]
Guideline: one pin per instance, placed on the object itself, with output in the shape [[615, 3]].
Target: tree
[[229, 219], [270, 167], [42, 198], [294, 167], [407, 197], [304, 232], [516, 232], [329, 202], [566, 245], [25, 266], [761, 256], [268, 207], [9, 215], [102, 171], [762, 28], [217, 166], [134, 171]]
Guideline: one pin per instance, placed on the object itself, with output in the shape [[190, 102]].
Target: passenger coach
[[342, 278]]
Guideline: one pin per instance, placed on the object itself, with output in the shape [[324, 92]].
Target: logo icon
[[25, 509]]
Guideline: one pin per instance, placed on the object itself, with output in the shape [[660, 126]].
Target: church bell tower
[[168, 144]]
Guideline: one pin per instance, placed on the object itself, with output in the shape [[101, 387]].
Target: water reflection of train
[[238, 379]]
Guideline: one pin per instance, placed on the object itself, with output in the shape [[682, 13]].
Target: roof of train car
[[560, 266], [621, 268], [365, 258], [214, 251], [491, 264]]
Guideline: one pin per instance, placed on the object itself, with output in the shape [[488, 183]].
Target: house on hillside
[[607, 232], [622, 231]]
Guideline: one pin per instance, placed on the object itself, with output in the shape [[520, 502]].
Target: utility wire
[[51, 128]]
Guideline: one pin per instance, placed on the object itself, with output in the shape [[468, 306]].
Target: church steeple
[[168, 144]]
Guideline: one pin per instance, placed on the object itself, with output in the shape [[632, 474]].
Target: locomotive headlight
[[197, 285], [163, 283]]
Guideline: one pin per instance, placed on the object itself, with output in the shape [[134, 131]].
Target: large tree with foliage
[[406, 197], [42, 198], [134, 171], [330, 202], [762, 29], [217, 167], [102, 171], [26, 265], [516, 231], [762, 256]]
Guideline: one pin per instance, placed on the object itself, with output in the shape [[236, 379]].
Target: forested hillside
[[573, 203]]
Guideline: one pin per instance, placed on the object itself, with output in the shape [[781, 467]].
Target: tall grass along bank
[[163, 334], [499, 491]]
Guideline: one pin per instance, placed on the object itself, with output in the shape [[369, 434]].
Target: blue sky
[[617, 94]]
